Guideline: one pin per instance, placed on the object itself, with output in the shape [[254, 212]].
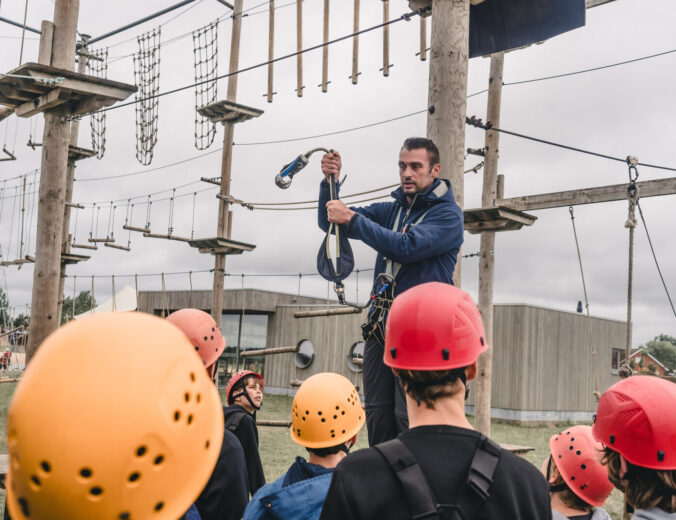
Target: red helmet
[[433, 326], [203, 333], [236, 377], [578, 458], [637, 418]]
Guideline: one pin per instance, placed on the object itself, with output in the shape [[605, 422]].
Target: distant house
[[642, 362]]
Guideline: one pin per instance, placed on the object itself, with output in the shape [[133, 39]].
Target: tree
[[4, 309], [83, 303], [21, 321], [663, 348]]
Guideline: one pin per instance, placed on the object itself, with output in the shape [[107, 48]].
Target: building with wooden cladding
[[543, 368]]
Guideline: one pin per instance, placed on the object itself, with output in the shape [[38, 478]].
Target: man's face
[[414, 171]]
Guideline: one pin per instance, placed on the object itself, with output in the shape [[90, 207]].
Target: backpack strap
[[477, 488], [234, 420], [417, 492]]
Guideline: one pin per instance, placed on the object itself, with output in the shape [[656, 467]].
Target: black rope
[[640, 212]]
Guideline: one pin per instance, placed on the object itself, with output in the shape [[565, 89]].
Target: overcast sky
[[617, 111]]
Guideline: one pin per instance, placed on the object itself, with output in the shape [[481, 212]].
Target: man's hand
[[338, 212], [331, 165]]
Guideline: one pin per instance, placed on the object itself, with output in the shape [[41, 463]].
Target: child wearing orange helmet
[[636, 422], [440, 467], [244, 395], [325, 418], [578, 481]]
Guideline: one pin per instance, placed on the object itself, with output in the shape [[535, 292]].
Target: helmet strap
[[248, 398], [554, 488]]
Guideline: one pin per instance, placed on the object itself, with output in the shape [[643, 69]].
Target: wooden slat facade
[[542, 359]]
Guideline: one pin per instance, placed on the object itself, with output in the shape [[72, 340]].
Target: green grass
[[278, 451]]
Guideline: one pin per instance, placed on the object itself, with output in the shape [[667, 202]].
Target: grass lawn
[[278, 451]]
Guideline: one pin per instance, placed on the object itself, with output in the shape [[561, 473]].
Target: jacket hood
[[440, 191], [653, 514], [598, 514]]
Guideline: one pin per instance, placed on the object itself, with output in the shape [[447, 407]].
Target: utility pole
[[447, 100], [45, 296], [482, 403], [224, 226]]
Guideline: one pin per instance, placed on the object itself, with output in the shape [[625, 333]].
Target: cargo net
[[205, 51], [147, 80], [97, 65]]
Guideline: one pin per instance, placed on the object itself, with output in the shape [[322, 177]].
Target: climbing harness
[[418, 494], [286, 174]]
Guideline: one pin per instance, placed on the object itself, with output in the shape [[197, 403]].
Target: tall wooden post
[[45, 297], [482, 404], [224, 216], [448, 92], [70, 178]]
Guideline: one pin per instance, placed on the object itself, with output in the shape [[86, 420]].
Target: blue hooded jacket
[[427, 251], [297, 495]]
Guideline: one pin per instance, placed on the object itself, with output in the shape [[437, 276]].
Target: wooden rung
[[95, 240], [295, 383], [84, 246], [215, 180], [167, 237], [268, 351], [336, 311], [74, 205], [279, 424], [358, 361], [71, 258], [8, 332], [117, 246], [10, 379], [139, 229]]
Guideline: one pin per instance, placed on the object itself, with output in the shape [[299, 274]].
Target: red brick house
[[642, 362]]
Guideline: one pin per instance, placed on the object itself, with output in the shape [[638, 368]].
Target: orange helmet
[[203, 333], [433, 326], [115, 417], [326, 411], [578, 459]]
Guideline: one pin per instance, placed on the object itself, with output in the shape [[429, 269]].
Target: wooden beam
[[610, 193], [51, 99], [268, 351], [336, 311], [279, 424]]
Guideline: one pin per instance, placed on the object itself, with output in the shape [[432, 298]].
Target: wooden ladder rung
[[279, 424], [96, 240], [134, 228], [84, 246], [327, 312], [167, 237], [117, 246], [268, 351]]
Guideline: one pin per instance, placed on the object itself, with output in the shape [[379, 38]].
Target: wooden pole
[[448, 92], [271, 50], [45, 295], [299, 47], [223, 226], [386, 38], [482, 403], [355, 44], [70, 178], [328, 311], [423, 38], [325, 49]]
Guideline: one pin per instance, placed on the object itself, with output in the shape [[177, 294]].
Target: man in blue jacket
[[417, 237]]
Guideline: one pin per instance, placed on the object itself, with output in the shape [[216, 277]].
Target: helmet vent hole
[[23, 503], [206, 445], [35, 480], [335, 417], [583, 466], [190, 419], [319, 412], [303, 418], [212, 337], [572, 478], [333, 435], [85, 472], [342, 413], [337, 407], [198, 397], [612, 439], [205, 338], [445, 354], [393, 352], [45, 466], [141, 451], [124, 516], [96, 491], [571, 448], [192, 376], [187, 397], [307, 412], [343, 431], [660, 456], [572, 439], [134, 476], [197, 349], [158, 460], [578, 452], [177, 416], [159, 506], [323, 420]]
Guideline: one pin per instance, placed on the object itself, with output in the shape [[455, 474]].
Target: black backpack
[[418, 494]]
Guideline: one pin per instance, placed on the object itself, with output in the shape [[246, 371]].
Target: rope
[[597, 393], [147, 80], [23, 32], [205, 57]]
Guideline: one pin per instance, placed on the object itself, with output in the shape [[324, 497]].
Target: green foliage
[[652, 368], [4, 309], [663, 348], [83, 303], [632, 365], [21, 321]]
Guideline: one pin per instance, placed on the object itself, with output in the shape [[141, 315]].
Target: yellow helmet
[[326, 411], [115, 418]]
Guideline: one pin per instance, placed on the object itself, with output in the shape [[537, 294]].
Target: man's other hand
[[338, 212], [331, 165]]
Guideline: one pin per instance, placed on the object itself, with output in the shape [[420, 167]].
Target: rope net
[[98, 66], [205, 54], [147, 80]]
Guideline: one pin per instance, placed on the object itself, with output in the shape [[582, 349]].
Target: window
[[356, 352], [617, 358], [253, 330], [305, 355]]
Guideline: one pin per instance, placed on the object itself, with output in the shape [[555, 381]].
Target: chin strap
[[248, 398], [554, 488]]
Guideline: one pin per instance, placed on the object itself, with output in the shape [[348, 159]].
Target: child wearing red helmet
[[244, 395], [636, 422], [578, 482], [440, 467]]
